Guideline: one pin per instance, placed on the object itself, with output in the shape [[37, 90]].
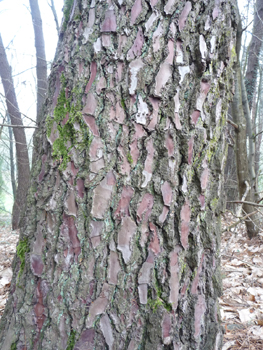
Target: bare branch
[[245, 202], [258, 134], [52, 6], [24, 115], [238, 222], [19, 126], [247, 26], [232, 123]]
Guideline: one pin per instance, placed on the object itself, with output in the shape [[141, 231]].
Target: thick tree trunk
[[254, 50], [41, 67], [121, 245], [23, 171]]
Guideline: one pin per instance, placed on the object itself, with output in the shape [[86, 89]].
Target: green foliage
[[13, 346], [71, 340], [22, 249]]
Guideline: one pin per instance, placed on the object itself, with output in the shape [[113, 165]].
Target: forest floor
[[242, 267]]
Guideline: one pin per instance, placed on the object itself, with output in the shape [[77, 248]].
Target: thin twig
[[245, 202], [238, 222], [239, 208], [257, 134], [247, 26], [247, 263], [232, 123], [22, 126], [17, 109]]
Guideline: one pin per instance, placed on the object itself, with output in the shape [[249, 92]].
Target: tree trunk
[[53, 9], [12, 159], [241, 144], [254, 50], [230, 179], [251, 143], [121, 245], [258, 125], [40, 55], [23, 171]]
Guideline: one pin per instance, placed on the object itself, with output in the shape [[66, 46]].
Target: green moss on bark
[[68, 112], [155, 303], [71, 340], [22, 249]]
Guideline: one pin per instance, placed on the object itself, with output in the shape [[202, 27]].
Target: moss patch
[[71, 340], [22, 249], [13, 346], [129, 158], [68, 112], [155, 303]]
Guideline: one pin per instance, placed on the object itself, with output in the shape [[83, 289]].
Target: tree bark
[[23, 171], [254, 50], [40, 56], [121, 245]]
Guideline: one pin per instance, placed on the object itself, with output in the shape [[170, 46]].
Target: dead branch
[[239, 220], [245, 202], [19, 126], [232, 123]]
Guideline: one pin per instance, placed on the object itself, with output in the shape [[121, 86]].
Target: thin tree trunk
[[258, 125], [241, 145], [120, 247], [12, 160], [53, 9], [22, 159], [251, 142], [254, 50], [40, 56]]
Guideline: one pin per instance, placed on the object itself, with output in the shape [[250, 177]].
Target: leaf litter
[[241, 304], [8, 241]]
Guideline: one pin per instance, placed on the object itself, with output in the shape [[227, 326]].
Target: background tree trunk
[[53, 9], [251, 141], [120, 249], [41, 67], [254, 50], [12, 159], [258, 127], [23, 171], [241, 144]]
